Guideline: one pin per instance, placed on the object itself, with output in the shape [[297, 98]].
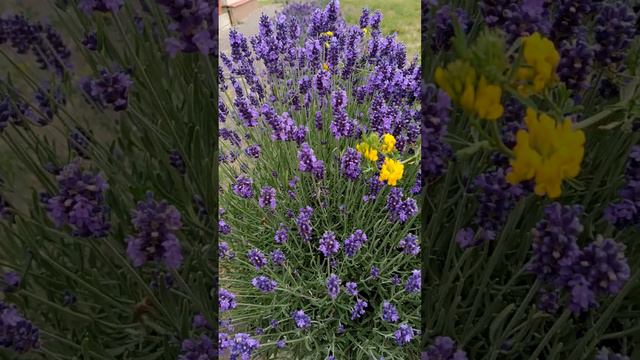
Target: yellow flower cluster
[[392, 170], [548, 152], [475, 94], [540, 63], [368, 151], [388, 143]]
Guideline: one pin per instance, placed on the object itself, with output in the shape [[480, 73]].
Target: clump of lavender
[[154, 239], [308, 94], [16, 332], [599, 269], [80, 202]]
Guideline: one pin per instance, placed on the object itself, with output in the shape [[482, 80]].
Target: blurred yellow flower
[[388, 143], [391, 171], [460, 81], [325, 66], [368, 151], [487, 103], [541, 60], [327, 33], [548, 151], [365, 31]]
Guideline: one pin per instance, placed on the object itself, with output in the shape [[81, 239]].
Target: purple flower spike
[[109, 89], [264, 284], [80, 202], [354, 242], [267, 197], [389, 312], [328, 244], [358, 309], [333, 286], [414, 282], [277, 257], [242, 346], [350, 164], [352, 288], [404, 334], [281, 236], [302, 320], [243, 187], [256, 258], [303, 221], [155, 224], [410, 245]]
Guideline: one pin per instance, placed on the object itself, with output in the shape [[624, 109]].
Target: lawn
[[400, 16]]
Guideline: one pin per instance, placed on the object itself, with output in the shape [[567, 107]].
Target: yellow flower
[[365, 31], [391, 171], [460, 81], [548, 152], [541, 60], [368, 151], [328, 33], [487, 104], [325, 66], [456, 78], [326, 44], [388, 143]]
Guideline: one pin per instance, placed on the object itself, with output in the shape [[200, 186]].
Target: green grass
[[400, 16]]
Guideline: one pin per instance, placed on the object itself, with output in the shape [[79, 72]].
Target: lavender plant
[[530, 166], [107, 113], [319, 173]]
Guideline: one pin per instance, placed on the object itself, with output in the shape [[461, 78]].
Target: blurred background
[[400, 16]]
